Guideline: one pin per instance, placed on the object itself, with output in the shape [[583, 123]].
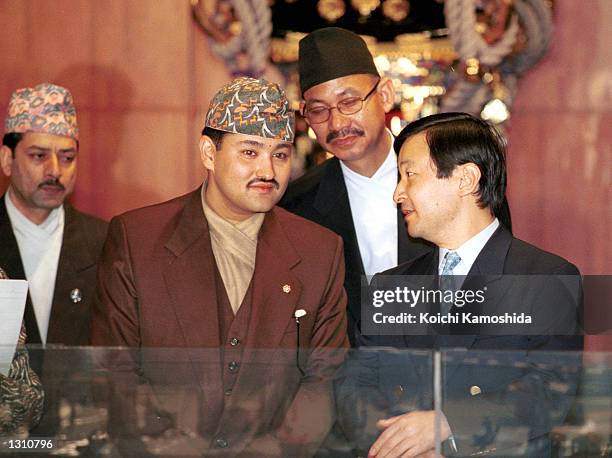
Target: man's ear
[[469, 179], [386, 91], [207, 152], [6, 160]]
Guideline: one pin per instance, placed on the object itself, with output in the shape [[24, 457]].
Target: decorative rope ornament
[[247, 52], [493, 69], [461, 21]]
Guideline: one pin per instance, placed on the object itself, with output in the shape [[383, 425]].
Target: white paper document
[[13, 294]]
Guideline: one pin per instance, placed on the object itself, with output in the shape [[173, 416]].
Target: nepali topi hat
[[253, 107], [46, 108], [330, 53]]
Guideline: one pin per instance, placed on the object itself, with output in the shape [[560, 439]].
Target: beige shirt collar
[[234, 247]]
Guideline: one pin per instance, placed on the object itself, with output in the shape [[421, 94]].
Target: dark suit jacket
[[520, 389], [81, 246], [321, 196], [156, 288]]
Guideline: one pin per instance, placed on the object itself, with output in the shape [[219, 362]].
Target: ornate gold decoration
[[396, 10], [331, 10], [417, 46]]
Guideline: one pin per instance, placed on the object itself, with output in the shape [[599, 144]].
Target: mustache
[[52, 182], [260, 180], [344, 132]]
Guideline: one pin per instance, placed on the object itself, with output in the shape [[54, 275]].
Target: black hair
[[11, 140], [215, 135], [459, 138]]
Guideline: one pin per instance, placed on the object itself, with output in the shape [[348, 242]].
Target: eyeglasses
[[348, 106]]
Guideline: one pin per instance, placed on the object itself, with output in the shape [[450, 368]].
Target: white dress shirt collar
[[469, 251], [374, 214], [39, 248], [44, 229]]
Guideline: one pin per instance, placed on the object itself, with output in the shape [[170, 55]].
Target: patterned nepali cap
[[253, 107], [46, 108]]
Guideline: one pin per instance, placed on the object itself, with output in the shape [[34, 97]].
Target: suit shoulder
[[153, 214], [148, 228], [400, 269], [89, 220], [91, 226], [418, 265], [525, 258]]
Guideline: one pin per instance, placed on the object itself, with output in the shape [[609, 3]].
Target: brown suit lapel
[[190, 277], [190, 282], [276, 290]]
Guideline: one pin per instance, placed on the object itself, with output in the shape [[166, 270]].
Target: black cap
[[330, 53]]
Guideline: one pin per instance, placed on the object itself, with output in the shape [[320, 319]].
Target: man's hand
[[408, 435]]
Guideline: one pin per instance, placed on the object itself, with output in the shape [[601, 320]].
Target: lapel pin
[[76, 295], [286, 289]]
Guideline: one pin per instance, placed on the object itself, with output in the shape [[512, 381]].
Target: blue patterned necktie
[[451, 259]]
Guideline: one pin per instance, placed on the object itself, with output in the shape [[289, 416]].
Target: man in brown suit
[[253, 291]]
